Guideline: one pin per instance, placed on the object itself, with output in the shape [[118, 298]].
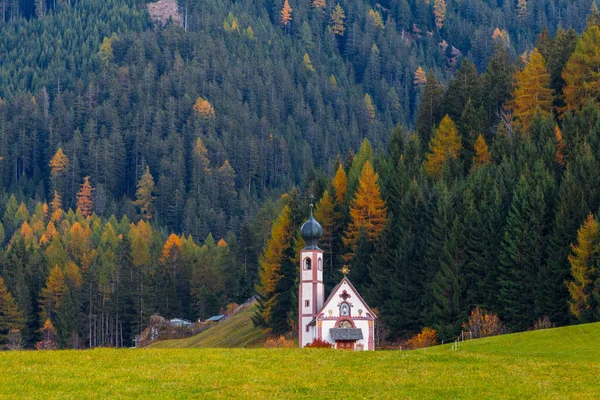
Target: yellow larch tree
[[420, 78], [582, 72], [584, 286], [51, 295], [340, 184], [532, 91], [444, 145], [56, 207], [145, 195], [376, 18], [370, 107], [204, 108], [269, 271], [439, 12], [482, 152], [338, 26], [367, 210]]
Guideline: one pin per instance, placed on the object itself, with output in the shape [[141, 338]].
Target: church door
[[345, 345]]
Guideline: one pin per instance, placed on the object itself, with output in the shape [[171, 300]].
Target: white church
[[343, 319]]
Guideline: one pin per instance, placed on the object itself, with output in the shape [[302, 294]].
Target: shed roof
[[346, 333], [216, 317]]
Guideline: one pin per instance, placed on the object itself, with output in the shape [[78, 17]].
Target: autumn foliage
[[446, 144], [319, 344], [532, 91], [584, 287], [85, 203], [482, 323], [279, 343], [426, 338], [286, 13], [367, 211], [338, 16], [204, 108]]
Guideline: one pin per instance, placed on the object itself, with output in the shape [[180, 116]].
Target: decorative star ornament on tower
[[345, 270]]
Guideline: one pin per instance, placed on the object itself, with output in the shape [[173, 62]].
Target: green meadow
[[555, 363]]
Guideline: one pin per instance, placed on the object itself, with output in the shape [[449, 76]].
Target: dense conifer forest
[[452, 148]]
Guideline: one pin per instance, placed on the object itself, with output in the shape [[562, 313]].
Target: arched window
[[345, 324], [307, 263], [320, 264], [345, 309]]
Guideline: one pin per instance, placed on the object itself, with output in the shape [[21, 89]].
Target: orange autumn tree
[[367, 211], [584, 287], [444, 145], [171, 256], [204, 108], [439, 12], [286, 14], [51, 295], [482, 152], [85, 204], [560, 147], [532, 91], [420, 78], [269, 270]]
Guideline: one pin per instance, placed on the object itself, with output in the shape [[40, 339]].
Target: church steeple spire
[[311, 231]]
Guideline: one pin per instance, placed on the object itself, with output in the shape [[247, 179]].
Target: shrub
[[427, 337], [319, 344], [482, 323], [279, 343], [543, 323]]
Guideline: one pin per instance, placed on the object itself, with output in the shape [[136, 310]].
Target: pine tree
[[532, 91], [338, 16], [145, 195], [560, 147], [10, 315], [85, 204], [581, 73], [319, 4], [367, 211], [56, 207], [430, 108], [330, 219], [286, 14], [449, 309], [584, 287], [370, 107], [444, 146]]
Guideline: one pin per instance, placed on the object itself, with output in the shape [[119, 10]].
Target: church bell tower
[[311, 290]]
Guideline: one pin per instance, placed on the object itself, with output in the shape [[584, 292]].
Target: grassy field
[[237, 331], [557, 363]]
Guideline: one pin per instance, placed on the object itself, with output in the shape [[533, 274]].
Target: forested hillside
[[198, 130], [500, 213]]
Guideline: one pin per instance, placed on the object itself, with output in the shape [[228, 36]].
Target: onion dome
[[311, 231]]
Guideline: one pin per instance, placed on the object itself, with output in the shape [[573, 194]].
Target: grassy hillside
[[237, 331], [558, 363]]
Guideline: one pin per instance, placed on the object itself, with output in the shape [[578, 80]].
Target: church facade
[[343, 319]]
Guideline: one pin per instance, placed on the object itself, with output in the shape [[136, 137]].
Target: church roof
[[311, 232], [346, 333], [345, 279]]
